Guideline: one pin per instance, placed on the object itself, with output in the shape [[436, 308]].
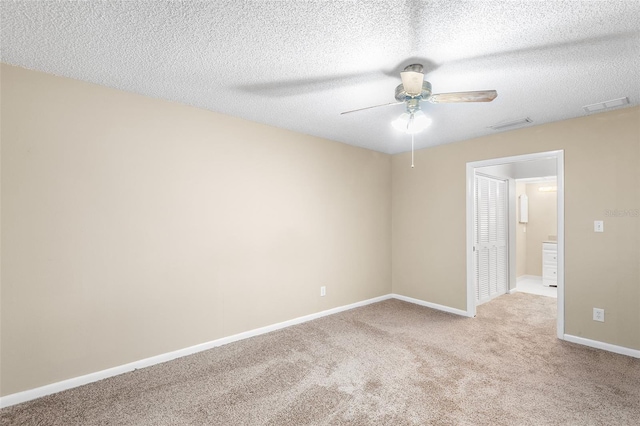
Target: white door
[[490, 238]]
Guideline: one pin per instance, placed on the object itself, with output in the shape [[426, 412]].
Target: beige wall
[[133, 226], [602, 172], [542, 226], [521, 233]]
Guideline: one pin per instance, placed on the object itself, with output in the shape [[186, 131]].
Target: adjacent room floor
[[389, 363], [533, 285]]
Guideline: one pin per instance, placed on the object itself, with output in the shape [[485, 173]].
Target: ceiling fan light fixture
[[421, 120], [411, 123], [401, 122]]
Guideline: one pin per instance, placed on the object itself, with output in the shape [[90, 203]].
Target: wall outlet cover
[[598, 314]]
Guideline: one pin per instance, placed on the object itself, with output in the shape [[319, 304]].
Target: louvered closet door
[[490, 243]]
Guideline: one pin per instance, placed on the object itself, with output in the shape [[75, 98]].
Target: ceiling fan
[[414, 89]]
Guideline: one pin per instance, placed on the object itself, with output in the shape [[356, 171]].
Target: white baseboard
[[512, 290], [30, 394], [431, 305], [602, 345], [529, 277]]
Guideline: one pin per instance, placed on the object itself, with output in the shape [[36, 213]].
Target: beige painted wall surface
[[543, 223], [602, 172], [521, 235], [133, 226]]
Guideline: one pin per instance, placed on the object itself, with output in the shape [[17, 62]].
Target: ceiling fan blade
[[375, 106], [478, 96]]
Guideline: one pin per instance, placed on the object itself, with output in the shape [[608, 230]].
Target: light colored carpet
[[390, 363]]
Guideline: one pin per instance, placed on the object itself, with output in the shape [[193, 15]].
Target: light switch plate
[[598, 226]]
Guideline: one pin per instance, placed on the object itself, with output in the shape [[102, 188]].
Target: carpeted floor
[[390, 363]]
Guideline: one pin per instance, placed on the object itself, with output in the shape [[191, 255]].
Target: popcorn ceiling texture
[[298, 64]]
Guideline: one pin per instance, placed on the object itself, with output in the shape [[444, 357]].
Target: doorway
[[536, 235], [512, 168]]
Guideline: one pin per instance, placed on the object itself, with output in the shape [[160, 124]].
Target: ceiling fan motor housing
[[403, 96]]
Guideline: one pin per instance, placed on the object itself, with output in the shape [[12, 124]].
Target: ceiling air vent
[[601, 106], [514, 123]]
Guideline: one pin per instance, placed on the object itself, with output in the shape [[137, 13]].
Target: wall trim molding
[[28, 395], [529, 277], [31, 394], [622, 350], [431, 305]]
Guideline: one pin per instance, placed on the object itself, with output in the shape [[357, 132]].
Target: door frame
[[471, 166]]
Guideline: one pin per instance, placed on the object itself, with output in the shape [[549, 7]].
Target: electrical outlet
[[598, 314], [323, 291]]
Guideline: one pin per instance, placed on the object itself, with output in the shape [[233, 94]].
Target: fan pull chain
[[412, 166]]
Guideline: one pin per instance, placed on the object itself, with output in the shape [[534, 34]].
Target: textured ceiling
[[298, 64]]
